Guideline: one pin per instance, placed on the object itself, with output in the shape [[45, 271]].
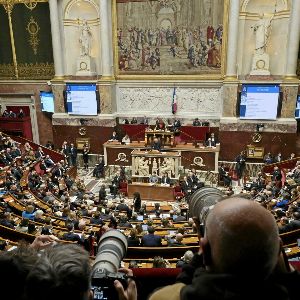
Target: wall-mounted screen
[[47, 101], [297, 111], [81, 99], [259, 102]]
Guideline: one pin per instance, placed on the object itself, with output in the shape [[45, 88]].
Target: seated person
[[186, 186], [133, 121], [150, 239], [153, 178], [99, 169], [196, 122], [126, 140], [224, 176], [125, 121], [114, 137], [156, 145], [268, 159], [176, 125], [165, 179], [145, 120], [160, 125]]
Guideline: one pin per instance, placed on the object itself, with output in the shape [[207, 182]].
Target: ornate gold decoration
[[36, 71], [198, 161], [33, 29], [8, 6], [256, 137], [7, 71], [82, 131], [31, 5], [122, 157]]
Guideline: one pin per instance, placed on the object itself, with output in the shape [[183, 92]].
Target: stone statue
[[85, 39], [262, 30], [143, 167], [261, 60]]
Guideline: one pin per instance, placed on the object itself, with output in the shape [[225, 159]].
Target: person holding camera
[[240, 255]]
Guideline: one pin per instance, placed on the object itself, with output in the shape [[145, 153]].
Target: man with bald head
[[240, 254]]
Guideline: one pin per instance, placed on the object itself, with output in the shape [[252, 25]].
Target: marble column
[[106, 38], [234, 10], [56, 40], [293, 40]]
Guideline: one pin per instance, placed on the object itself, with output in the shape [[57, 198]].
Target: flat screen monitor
[[297, 111], [47, 101], [81, 99], [259, 102]]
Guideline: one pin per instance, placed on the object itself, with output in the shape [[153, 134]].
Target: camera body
[[103, 284]]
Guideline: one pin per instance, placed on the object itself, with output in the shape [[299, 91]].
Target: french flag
[[174, 102]]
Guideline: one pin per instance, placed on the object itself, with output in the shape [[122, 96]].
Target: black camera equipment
[[112, 249], [202, 202]]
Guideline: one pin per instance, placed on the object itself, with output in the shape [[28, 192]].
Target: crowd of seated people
[[76, 207]]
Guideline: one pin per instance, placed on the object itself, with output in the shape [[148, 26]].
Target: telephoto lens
[[202, 202], [111, 250]]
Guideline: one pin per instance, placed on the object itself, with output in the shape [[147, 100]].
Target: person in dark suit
[[133, 121], [99, 169], [65, 150], [150, 239], [115, 184], [156, 144], [211, 141], [114, 137], [71, 236], [132, 239], [73, 155], [48, 161], [137, 202], [277, 176], [186, 186], [224, 176], [39, 153], [176, 125], [85, 156], [165, 179], [240, 165], [122, 206], [196, 122]]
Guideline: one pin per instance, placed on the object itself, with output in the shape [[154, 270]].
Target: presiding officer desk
[[150, 191]]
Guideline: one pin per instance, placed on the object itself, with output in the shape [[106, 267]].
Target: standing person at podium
[[114, 137], [156, 145]]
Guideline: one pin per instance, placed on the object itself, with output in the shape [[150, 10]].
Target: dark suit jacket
[[151, 240], [71, 236], [186, 186], [166, 180]]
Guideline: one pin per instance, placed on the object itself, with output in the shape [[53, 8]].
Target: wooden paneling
[[233, 142]]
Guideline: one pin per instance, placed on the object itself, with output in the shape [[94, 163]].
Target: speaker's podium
[[144, 163]]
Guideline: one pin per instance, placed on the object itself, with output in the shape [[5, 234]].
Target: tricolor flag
[[174, 102]]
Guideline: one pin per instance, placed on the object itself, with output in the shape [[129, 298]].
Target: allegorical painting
[[169, 37]]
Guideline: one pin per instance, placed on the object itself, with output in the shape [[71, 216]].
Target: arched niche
[[267, 6], [76, 9], [74, 12]]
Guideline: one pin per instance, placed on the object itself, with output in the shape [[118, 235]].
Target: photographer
[[240, 250]]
